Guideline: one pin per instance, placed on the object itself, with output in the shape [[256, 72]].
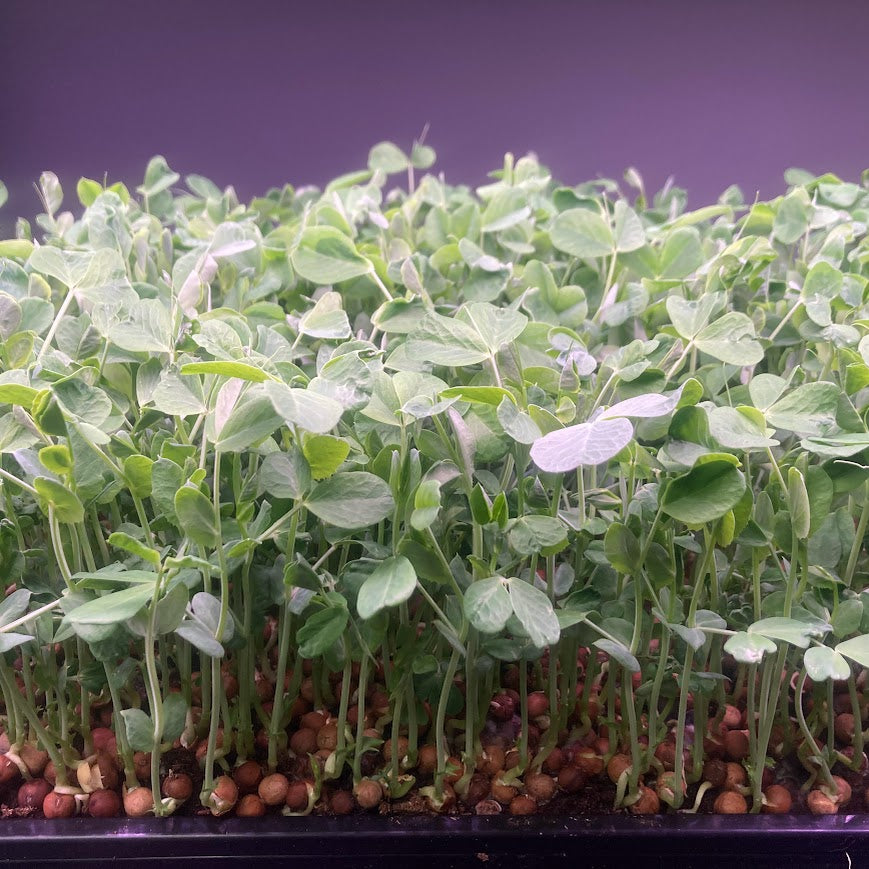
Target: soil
[[596, 796], [595, 799]]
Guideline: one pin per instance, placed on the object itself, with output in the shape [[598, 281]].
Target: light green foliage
[[408, 422]]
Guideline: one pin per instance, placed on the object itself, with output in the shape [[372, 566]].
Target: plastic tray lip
[[405, 827], [396, 842]]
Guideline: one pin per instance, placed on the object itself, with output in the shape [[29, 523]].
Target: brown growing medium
[[578, 774]]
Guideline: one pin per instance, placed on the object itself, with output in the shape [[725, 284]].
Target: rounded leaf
[[392, 582], [589, 443], [325, 256], [822, 663], [705, 493], [535, 613], [351, 499], [582, 233], [748, 648], [487, 604]]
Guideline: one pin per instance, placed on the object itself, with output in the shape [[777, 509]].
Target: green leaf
[[351, 500], [582, 233], [115, 608], [823, 663], [14, 605], [346, 378], [200, 638], [691, 316], [138, 472], [487, 604], [766, 389], [808, 410], [446, 341], [748, 648], [426, 504], [67, 507], [622, 549], [645, 406], [241, 370], [57, 459], [47, 414], [15, 389], [171, 608], [321, 631], [327, 319], [325, 454], [178, 396], [196, 516], [534, 611], [792, 218], [252, 420], [392, 582], [694, 637], [174, 717], [532, 534], [12, 640], [325, 255], [589, 443], [51, 191], [705, 493], [285, 475], [304, 408], [739, 428], [480, 504], [620, 653], [90, 404], [681, 255], [492, 395], [506, 208], [789, 630], [731, 338], [798, 504], [206, 609], [516, 423], [495, 326], [10, 316], [847, 617], [856, 649], [13, 435], [387, 158], [422, 156], [122, 540], [148, 329], [139, 728], [108, 578], [19, 248], [166, 479], [158, 178], [628, 229], [837, 446], [87, 191]]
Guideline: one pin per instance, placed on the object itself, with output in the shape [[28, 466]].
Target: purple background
[[259, 92]]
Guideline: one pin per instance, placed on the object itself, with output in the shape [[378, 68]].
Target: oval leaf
[[748, 648], [392, 582], [822, 663], [196, 516], [705, 493], [487, 605], [351, 499], [535, 613], [325, 255], [582, 233], [589, 443]]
